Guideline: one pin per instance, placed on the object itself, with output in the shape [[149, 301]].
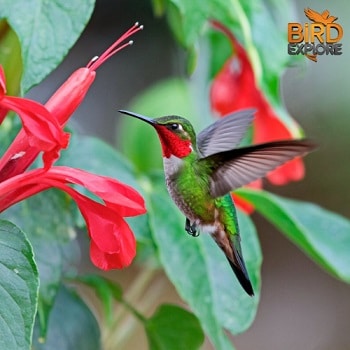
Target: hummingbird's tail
[[231, 246]]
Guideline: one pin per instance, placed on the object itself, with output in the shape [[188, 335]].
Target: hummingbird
[[201, 171]]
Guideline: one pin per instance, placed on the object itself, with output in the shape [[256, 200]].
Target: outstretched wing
[[232, 169], [225, 134]]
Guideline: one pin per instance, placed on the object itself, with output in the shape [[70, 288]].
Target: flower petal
[[292, 171], [70, 95], [234, 87], [107, 261], [115, 194], [3, 113], [113, 244], [242, 204], [42, 129]]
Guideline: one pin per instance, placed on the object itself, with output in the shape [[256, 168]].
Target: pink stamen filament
[[115, 47]]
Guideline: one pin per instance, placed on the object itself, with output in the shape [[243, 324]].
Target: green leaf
[[324, 236], [201, 274], [48, 219], [269, 31], [46, 30], [173, 328], [194, 15], [190, 19], [106, 290], [19, 284], [72, 325], [10, 58]]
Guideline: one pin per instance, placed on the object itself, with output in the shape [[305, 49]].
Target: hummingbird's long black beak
[[138, 116]]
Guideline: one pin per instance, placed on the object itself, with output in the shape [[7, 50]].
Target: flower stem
[[123, 324], [127, 328]]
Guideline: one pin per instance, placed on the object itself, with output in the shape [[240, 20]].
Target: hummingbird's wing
[[225, 134], [232, 169]]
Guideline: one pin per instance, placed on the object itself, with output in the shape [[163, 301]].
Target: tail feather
[[232, 250], [241, 273]]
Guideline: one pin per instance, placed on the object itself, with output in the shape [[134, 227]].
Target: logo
[[321, 37]]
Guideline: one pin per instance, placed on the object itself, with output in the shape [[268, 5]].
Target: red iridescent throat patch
[[172, 144]]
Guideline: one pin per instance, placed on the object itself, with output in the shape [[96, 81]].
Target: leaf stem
[[248, 39]]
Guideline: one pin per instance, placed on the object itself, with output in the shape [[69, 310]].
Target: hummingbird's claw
[[194, 233], [191, 229]]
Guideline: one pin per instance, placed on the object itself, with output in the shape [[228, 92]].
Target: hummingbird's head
[[176, 134]]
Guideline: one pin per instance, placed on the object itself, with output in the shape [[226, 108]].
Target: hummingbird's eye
[[174, 126]]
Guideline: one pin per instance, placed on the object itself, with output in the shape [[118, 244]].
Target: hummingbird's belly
[[192, 200]]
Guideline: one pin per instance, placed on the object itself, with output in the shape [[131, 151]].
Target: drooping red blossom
[[41, 130], [235, 88], [112, 241], [21, 154]]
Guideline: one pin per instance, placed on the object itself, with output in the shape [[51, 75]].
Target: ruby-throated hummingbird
[[200, 173]]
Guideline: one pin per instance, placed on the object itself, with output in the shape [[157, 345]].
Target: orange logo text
[[322, 37]]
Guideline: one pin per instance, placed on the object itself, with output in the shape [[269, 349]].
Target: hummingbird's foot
[[191, 229]]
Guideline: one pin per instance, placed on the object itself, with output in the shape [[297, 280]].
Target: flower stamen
[[117, 46]]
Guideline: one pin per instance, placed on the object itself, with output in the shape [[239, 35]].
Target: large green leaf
[[173, 328], [324, 236], [19, 284], [48, 219], [201, 274], [46, 30], [72, 325]]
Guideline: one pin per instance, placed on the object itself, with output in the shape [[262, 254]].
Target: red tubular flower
[[21, 153], [112, 241], [235, 88], [40, 128]]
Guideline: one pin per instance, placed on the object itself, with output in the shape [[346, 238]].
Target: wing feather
[[232, 169], [225, 134]]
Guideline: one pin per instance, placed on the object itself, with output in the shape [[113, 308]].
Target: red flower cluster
[[235, 88], [112, 241]]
